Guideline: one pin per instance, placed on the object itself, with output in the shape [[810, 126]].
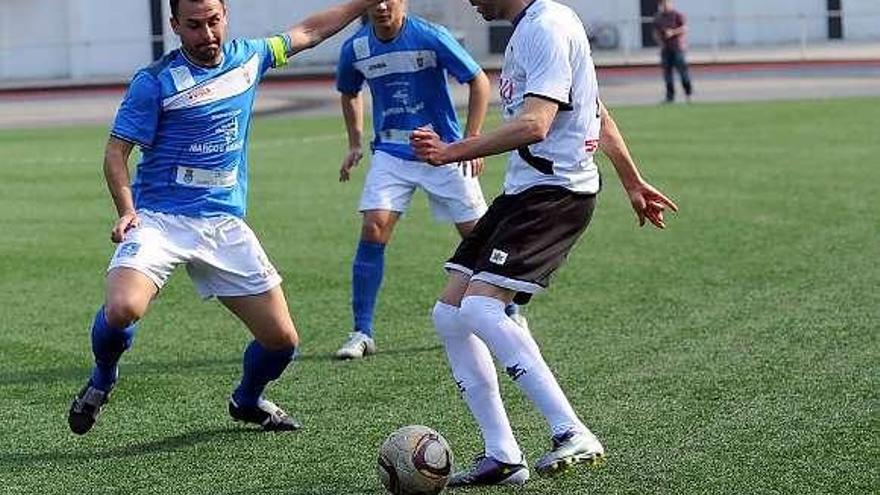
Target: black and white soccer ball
[[415, 460]]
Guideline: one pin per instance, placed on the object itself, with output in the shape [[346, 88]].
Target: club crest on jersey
[[361, 47], [505, 90], [498, 257], [188, 175]]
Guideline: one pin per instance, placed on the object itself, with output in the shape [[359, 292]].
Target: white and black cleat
[[569, 449], [488, 471], [357, 346], [266, 414], [85, 408]]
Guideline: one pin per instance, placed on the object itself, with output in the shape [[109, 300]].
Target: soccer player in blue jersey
[[405, 61], [190, 113]]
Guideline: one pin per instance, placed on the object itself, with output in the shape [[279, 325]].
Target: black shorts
[[523, 238]]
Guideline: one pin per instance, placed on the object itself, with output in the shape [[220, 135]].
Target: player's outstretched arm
[[353, 114], [647, 202], [324, 24], [119, 183], [531, 126]]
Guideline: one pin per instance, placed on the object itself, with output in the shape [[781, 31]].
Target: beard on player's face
[[201, 27], [205, 53]]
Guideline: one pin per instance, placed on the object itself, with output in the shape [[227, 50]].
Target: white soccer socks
[[474, 372], [519, 354]]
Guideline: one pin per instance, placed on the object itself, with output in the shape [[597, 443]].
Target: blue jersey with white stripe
[[407, 80], [191, 123]]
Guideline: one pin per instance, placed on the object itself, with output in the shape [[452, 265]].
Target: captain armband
[[280, 46]]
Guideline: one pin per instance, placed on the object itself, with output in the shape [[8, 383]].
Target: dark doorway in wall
[[835, 20], [157, 31], [648, 9], [499, 35]]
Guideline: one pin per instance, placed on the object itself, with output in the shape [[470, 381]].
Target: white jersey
[[549, 57]]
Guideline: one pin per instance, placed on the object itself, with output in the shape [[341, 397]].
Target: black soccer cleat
[[85, 408], [487, 471], [266, 414]]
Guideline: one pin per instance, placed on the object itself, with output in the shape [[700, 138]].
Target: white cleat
[[571, 448], [357, 346]]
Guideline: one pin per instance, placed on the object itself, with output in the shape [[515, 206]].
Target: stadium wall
[[109, 39]]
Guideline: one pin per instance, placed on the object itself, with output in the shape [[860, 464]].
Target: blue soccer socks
[[108, 344], [366, 278], [261, 366]]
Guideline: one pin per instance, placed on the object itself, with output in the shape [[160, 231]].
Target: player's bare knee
[[282, 339], [375, 231], [455, 289], [122, 312], [291, 339]]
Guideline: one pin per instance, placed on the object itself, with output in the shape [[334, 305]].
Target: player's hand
[[428, 147], [351, 161], [649, 204], [125, 223], [475, 167]]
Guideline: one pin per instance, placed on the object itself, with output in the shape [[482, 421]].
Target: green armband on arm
[[280, 47]]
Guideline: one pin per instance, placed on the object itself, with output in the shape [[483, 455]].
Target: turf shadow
[[384, 352], [173, 443], [80, 373], [293, 490]]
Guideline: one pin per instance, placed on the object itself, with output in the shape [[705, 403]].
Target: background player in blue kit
[[190, 113], [405, 61]]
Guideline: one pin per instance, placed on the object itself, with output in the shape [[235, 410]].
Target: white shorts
[[222, 255], [391, 182]]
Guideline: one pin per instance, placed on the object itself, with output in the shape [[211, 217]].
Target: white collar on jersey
[[200, 66]]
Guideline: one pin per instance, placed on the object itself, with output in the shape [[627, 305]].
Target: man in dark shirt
[[669, 31]]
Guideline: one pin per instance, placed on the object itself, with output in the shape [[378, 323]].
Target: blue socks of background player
[[108, 344], [261, 366], [366, 278]]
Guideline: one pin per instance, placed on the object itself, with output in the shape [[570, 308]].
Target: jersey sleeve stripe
[[131, 140], [563, 105]]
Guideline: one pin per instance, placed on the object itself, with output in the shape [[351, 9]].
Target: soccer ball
[[414, 460]]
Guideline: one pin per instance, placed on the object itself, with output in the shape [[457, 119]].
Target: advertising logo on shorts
[[128, 250], [498, 257], [267, 269]]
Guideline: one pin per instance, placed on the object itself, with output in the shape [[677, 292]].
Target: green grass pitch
[[735, 353]]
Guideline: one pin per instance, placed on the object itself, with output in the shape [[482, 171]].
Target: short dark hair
[[175, 6]]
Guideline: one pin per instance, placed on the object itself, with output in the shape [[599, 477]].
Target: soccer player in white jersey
[[554, 121], [190, 113], [405, 61]]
